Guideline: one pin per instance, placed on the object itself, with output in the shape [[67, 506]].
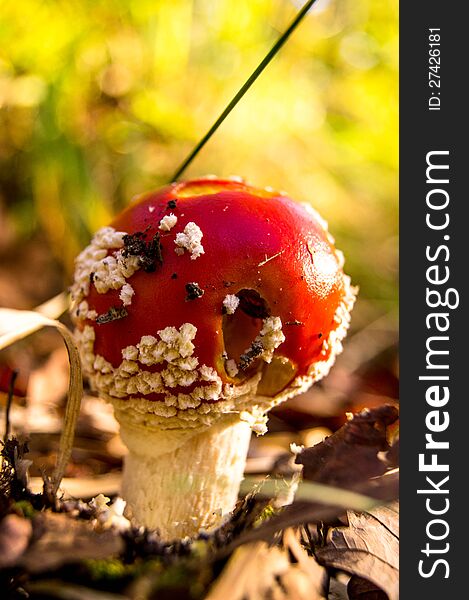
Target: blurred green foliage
[[102, 99]]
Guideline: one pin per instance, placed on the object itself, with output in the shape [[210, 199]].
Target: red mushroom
[[201, 307]]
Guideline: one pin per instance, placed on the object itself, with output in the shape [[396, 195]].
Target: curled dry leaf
[[15, 325], [350, 456], [368, 548]]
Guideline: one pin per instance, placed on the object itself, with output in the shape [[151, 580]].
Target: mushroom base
[[182, 482]]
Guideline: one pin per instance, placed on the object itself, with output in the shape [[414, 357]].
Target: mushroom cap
[[227, 296]]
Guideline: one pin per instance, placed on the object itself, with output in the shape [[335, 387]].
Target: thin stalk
[[11, 392], [262, 65]]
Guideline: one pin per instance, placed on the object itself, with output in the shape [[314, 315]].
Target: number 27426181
[[434, 63]]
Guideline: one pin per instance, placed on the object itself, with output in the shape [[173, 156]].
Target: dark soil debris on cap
[[246, 359], [149, 253], [113, 314], [193, 291], [171, 204]]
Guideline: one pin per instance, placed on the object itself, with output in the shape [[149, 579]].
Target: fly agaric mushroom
[[201, 307]]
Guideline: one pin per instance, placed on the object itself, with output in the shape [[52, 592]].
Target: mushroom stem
[[182, 483]]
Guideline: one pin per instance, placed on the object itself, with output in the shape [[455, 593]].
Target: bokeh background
[[103, 99]]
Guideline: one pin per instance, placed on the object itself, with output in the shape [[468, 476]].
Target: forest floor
[[319, 522]]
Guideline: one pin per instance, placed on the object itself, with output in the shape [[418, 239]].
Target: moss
[[108, 569], [24, 508], [199, 549], [188, 580], [267, 513]]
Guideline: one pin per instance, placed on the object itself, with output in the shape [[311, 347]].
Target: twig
[[11, 389], [262, 65], [264, 262]]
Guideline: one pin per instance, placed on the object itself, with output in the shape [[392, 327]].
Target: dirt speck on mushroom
[[193, 291]]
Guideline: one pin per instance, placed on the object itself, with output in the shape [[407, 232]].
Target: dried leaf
[[15, 534], [307, 577], [296, 585], [350, 456], [251, 573], [364, 564], [388, 515], [65, 540], [362, 589], [367, 533], [257, 571], [15, 325], [337, 590], [392, 457], [367, 548]]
